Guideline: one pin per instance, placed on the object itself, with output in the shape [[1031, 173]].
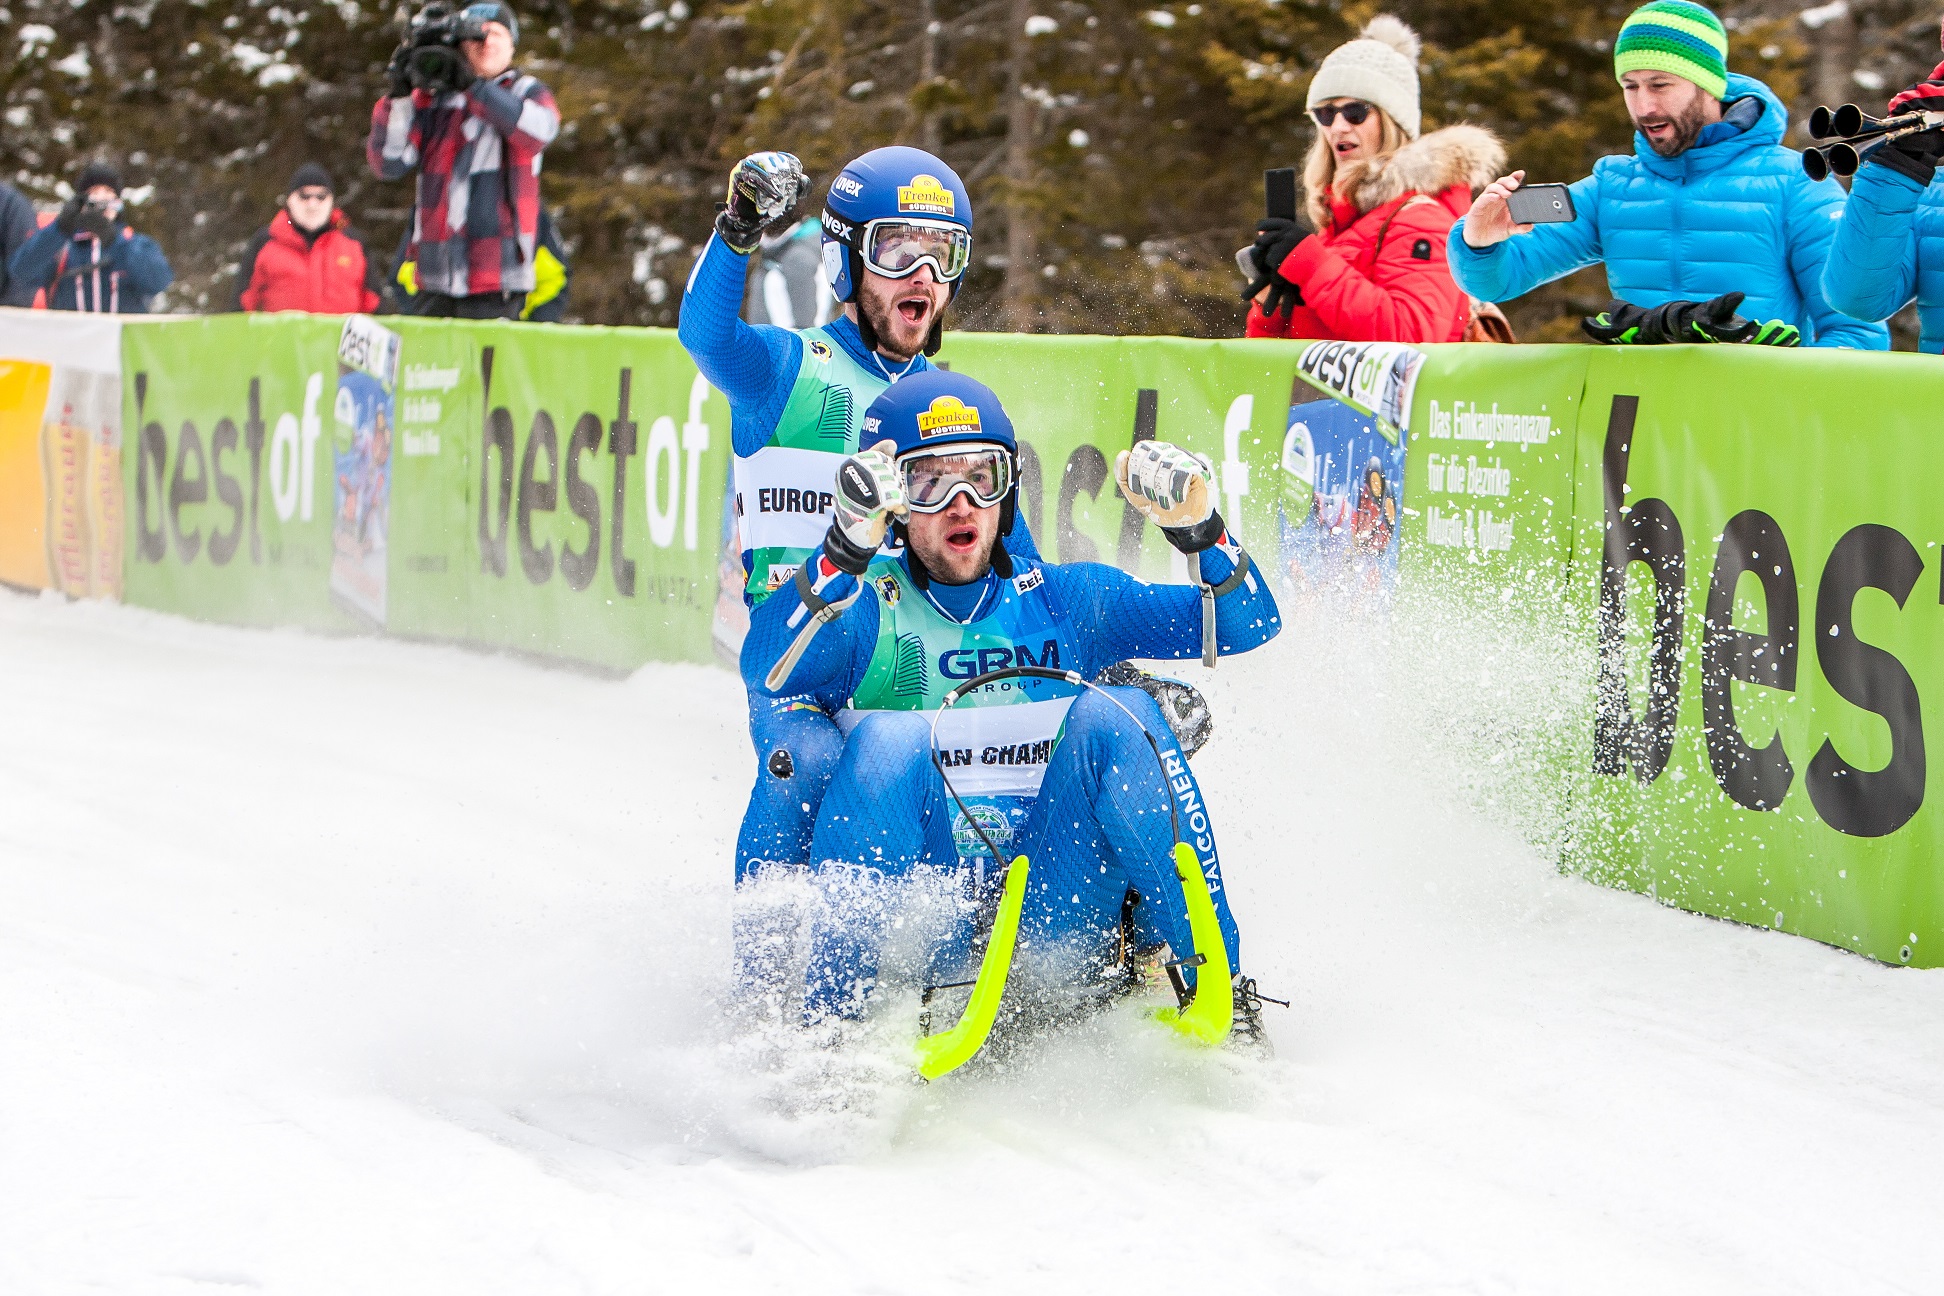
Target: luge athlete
[[897, 237], [1049, 770]]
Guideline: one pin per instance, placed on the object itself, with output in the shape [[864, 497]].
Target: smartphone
[[1541, 204], [1279, 187]]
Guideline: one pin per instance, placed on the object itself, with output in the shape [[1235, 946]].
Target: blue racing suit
[[1045, 768], [797, 399]]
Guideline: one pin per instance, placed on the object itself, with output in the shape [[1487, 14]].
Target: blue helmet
[[937, 408], [887, 183]]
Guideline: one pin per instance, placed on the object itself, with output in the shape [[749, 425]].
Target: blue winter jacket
[[1890, 248], [82, 274], [1734, 213]]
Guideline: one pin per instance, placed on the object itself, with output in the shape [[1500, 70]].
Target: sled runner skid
[[1207, 1017], [940, 1054]]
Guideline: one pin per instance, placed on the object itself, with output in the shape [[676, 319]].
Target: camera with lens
[[431, 54]]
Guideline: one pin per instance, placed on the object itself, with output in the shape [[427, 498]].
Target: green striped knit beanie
[[1675, 36]]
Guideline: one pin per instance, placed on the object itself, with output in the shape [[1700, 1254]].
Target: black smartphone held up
[[1279, 186], [1541, 204]]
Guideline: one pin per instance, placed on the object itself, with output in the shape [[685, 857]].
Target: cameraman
[[85, 259], [475, 226]]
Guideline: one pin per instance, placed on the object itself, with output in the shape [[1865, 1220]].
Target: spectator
[[786, 285], [552, 276], [1709, 205], [1890, 245], [17, 225], [1382, 199], [477, 150], [85, 259], [308, 258]]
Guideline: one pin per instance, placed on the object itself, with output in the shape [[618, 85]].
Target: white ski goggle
[[932, 477], [896, 246]]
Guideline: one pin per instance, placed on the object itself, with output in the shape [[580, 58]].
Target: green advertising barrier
[[1076, 402], [226, 469], [548, 490], [558, 491], [1753, 567], [1759, 533]]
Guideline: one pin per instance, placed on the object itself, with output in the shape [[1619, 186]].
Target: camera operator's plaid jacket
[[478, 157]]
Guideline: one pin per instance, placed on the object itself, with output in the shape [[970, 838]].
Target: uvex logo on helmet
[[948, 414], [839, 229], [925, 195]]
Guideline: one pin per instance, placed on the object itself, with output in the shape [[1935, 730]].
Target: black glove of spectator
[[1676, 321], [398, 81], [68, 222], [1276, 238], [1916, 155], [93, 220]]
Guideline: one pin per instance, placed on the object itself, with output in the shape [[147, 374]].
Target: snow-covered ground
[[348, 966]]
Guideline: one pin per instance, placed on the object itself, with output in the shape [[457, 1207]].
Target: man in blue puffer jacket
[[1710, 214], [1890, 244]]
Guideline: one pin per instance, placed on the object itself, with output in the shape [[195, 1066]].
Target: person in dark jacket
[[308, 258], [86, 258], [17, 225], [476, 148]]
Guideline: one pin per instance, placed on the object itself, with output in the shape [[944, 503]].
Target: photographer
[[1381, 197], [86, 259], [1709, 231], [475, 229]]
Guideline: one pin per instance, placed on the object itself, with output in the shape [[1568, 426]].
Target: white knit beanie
[[1379, 67]]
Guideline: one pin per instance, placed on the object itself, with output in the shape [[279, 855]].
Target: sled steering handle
[[1012, 672]]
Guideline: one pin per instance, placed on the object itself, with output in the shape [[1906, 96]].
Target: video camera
[[431, 54]]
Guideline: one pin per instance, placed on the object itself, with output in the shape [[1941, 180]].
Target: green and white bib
[[783, 491]]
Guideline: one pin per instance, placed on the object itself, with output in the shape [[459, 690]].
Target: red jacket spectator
[[1378, 273], [326, 273]]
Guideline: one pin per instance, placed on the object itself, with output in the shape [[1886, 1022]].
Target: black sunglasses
[[1353, 112]]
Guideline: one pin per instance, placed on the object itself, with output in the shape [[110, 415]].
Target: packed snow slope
[[353, 966]]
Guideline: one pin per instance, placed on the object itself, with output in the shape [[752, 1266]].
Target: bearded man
[[1710, 231]]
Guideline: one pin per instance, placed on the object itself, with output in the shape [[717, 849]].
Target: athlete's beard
[[1687, 126], [926, 534], [883, 324]]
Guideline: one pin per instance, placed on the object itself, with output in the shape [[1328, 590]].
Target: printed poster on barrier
[[1343, 465], [60, 453], [362, 421]]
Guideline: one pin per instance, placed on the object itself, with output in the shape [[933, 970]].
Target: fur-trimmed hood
[[1431, 164]]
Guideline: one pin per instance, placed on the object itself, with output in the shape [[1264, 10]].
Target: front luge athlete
[[897, 236], [1048, 769]]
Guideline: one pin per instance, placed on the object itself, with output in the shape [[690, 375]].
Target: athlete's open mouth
[[915, 308], [962, 539]]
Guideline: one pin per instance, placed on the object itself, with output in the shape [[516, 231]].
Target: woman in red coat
[[1381, 198], [308, 258]]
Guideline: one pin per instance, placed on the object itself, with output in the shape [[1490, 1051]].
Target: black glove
[[68, 222], [1914, 155], [1202, 535], [1676, 321], [764, 189], [1276, 238], [93, 220], [398, 77]]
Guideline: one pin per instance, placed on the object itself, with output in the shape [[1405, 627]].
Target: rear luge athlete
[[1043, 767], [897, 237]]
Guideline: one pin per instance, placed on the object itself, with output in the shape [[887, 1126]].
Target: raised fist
[[764, 188], [1174, 487], [869, 491]]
